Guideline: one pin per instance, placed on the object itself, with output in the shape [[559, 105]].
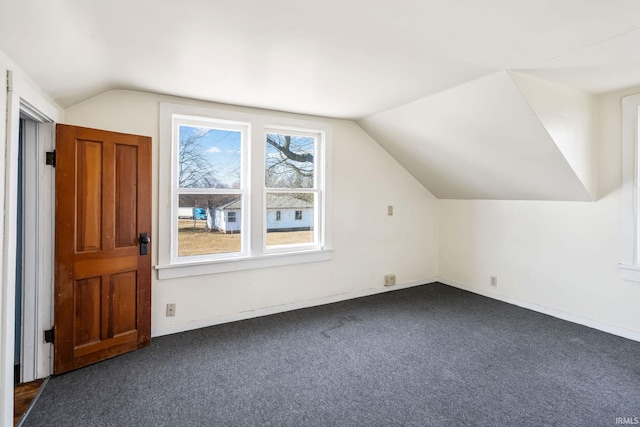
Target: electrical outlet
[[494, 280], [171, 310], [390, 280], [389, 210]]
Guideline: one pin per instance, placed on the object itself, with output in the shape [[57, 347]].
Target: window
[[209, 181], [630, 205], [292, 181], [242, 190]]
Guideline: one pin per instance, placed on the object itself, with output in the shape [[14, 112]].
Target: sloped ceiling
[[480, 140], [334, 58], [366, 61]]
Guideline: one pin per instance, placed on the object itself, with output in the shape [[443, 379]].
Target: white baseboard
[[157, 332], [585, 321]]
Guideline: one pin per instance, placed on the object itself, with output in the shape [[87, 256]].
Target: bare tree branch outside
[[289, 161]]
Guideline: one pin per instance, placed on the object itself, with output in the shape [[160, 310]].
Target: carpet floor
[[425, 356]]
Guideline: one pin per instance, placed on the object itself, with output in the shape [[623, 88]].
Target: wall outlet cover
[[171, 310], [390, 280]]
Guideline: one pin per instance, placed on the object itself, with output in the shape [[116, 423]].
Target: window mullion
[[257, 188]]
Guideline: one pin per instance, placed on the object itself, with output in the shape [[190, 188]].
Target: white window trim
[[256, 256], [245, 129], [319, 183], [629, 266]]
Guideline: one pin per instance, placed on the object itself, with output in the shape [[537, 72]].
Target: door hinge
[[51, 158], [50, 335]]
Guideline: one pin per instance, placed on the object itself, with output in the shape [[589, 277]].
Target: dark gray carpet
[[426, 356]]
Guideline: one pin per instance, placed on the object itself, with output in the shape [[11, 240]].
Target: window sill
[[629, 272], [173, 271]]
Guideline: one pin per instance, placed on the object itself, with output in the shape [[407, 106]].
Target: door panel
[[124, 313], [126, 195], [88, 196], [87, 299], [103, 285]]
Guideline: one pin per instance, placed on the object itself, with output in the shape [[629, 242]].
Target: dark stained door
[[102, 303]]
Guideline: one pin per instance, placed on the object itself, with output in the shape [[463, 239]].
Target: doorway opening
[[37, 236], [19, 231], [34, 250], [33, 284], [17, 349]]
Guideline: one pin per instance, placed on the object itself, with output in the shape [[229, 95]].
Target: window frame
[[221, 124], [317, 190], [256, 254], [629, 266]]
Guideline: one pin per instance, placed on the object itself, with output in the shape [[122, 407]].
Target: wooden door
[[102, 303]]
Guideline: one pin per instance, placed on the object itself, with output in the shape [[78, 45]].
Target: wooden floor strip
[[23, 396]]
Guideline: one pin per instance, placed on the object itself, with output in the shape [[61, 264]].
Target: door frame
[[23, 99], [37, 243]]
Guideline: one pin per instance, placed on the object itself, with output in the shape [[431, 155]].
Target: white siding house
[[226, 218], [284, 213]]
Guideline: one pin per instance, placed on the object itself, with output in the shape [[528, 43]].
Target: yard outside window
[[291, 183], [220, 210], [210, 157]]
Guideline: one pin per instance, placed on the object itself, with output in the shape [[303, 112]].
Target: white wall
[[368, 244], [561, 256], [6, 327]]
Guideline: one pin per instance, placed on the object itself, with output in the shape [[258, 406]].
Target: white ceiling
[[435, 82], [480, 140], [336, 58]]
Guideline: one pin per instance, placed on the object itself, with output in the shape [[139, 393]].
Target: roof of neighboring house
[[274, 201]]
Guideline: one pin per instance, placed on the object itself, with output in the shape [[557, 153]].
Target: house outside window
[[214, 156]]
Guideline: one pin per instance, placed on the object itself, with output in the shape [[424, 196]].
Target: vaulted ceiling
[[400, 68]]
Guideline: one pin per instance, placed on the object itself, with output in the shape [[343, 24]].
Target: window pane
[[209, 158], [290, 218], [289, 161], [209, 224]]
